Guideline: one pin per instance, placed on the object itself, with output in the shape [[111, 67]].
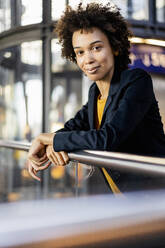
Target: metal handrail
[[111, 160], [23, 146]]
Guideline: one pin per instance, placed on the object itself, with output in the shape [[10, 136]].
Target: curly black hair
[[105, 17]]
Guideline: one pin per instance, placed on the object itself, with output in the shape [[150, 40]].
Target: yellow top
[[100, 109]]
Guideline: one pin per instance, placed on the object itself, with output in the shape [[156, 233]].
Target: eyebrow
[[92, 43]]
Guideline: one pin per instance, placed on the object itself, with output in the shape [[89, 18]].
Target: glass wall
[[57, 11], [19, 12], [160, 10], [16, 184], [21, 91], [159, 88], [66, 89], [31, 12], [5, 15], [138, 10], [133, 9], [22, 96]]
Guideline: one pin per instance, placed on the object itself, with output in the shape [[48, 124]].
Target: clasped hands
[[42, 154]]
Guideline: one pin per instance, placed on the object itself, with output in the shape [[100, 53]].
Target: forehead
[[84, 37]]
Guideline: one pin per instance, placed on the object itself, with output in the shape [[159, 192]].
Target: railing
[[119, 161], [137, 220]]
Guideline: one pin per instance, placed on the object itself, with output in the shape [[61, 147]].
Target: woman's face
[[94, 54]]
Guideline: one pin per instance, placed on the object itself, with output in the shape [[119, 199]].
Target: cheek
[[80, 63], [109, 61], [104, 58]]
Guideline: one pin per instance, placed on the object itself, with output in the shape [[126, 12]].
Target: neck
[[104, 85]]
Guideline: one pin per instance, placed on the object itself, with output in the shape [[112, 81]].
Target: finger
[[51, 155], [35, 166], [59, 158], [32, 172], [39, 163], [65, 157], [54, 156], [43, 157], [53, 159], [38, 160], [43, 167]]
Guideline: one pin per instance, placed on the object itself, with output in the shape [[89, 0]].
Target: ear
[[116, 53]]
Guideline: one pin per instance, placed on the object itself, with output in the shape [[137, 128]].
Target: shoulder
[[137, 77], [133, 74], [137, 83]]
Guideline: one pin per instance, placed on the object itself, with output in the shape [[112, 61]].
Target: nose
[[88, 58]]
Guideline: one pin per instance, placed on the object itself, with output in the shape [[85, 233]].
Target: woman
[[121, 113]]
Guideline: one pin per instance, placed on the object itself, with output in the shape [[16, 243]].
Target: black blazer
[[131, 122]]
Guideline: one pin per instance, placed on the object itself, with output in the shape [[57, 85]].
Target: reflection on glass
[[20, 91], [16, 184], [57, 8], [160, 10], [5, 15], [31, 12]]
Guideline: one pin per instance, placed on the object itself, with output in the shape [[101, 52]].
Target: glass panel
[[31, 12], [66, 93], [75, 179], [122, 4], [21, 91], [159, 88], [16, 184], [160, 10], [129, 9], [5, 15], [138, 10], [57, 8], [79, 179]]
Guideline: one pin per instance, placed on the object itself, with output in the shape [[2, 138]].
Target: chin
[[94, 77]]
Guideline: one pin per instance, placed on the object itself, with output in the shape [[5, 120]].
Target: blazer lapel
[[94, 92], [91, 105], [112, 92]]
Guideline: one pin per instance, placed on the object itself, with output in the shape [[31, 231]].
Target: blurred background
[[39, 90]]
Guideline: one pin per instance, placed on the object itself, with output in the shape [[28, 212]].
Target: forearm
[[46, 138], [81, 140]]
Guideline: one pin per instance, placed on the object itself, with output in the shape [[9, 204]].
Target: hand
[[37, 158], [33, 172], [57, 158]]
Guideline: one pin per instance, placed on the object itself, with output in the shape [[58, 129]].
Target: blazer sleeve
[[133, 106]]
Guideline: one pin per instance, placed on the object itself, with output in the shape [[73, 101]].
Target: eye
[[79, 53], [96, 48]]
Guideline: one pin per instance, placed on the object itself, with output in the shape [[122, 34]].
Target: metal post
[[129, 9], [76, 179], [152, 11], [46, 76]]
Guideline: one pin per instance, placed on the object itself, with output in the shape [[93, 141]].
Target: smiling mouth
[[92, 70]]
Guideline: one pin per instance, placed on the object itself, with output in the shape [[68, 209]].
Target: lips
[[92, 70]]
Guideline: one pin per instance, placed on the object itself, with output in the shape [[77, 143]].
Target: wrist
[[46, 138]]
